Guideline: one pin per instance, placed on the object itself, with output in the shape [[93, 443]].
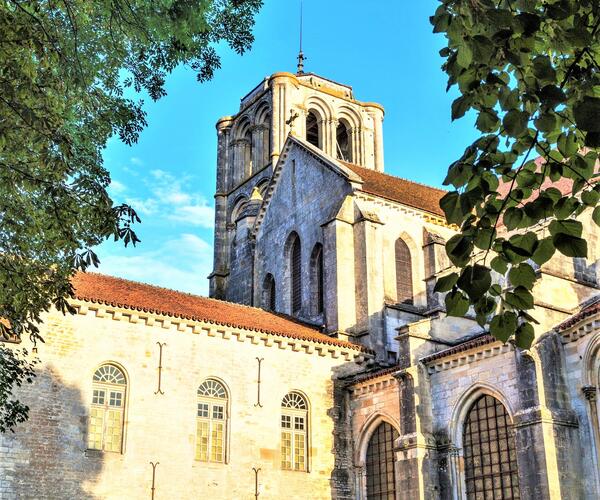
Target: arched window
[[489, 451], [404, 286], [317, 285], [268, 298], [343, 146], [294, 432], [381, 483], [105, 430], [211, 422], [296, 274], [313, 134]]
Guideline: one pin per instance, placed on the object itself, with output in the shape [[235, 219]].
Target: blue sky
[[384, 49]]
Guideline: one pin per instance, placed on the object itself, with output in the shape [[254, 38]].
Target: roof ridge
[[394, 176]]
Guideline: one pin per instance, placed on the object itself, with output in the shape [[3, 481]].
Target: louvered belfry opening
[[343, 143], [312, 129], [296, 274], [489, 452], [381, 484], [404, 286]]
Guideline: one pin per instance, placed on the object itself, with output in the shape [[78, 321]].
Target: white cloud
[[181, 263], [134, 160], [117, 187]]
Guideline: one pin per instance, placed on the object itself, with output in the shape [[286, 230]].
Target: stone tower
[[322, 112]]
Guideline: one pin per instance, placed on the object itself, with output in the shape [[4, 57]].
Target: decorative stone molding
[[467, 357], [225, 332], [590, 392]]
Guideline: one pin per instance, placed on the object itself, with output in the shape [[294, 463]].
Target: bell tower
[[320, 111]]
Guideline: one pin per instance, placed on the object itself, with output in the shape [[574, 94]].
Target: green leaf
[[465, 55], [484, 238], [587, 113], [569, 227], [499, 265], [592, 139], [571, 246], [445, 283], [542, 68], [513, 217], [487, 121], [552, 96], [459, 250], [450, 204], [567, 144], [590, 198], [457, 304], [546, 122], [515, 122], [475, 281], [459, 107], [522, 275], [520, 298], [524, 336], [596, 216], [544, 251], [504, 325]]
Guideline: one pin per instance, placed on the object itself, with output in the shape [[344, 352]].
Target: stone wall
[[47, 456]]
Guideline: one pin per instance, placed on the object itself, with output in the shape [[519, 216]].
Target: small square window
[[203, 410], [98, 397], [116, 399], [299, 423], [286, 421], [218, 412]]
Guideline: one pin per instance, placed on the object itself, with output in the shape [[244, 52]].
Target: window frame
[[108, 388], [212, 402], [304, 434], [383, 426], [403, 262]]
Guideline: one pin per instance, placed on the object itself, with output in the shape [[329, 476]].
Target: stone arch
[[416, 259], [323, 114], [242, 150], [465, 402], [460, 413], [262, 135], [344, 141], [238, 206], [262, 186], [366, 431], [269, 293], [591, 362]]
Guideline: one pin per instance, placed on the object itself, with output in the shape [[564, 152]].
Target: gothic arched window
[[381, 483], [317, 278], [294, 432], [296, 273], [489, 451], [211, 422], [404, 286], [343, 146], [313, 134], [268, 298], [105, 430]]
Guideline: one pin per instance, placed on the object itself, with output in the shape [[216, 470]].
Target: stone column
[[218, 277], [275, 122], [590, 392], [415, 450], [377, 115]]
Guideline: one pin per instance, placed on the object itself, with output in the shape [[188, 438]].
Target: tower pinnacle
[[300, 57]]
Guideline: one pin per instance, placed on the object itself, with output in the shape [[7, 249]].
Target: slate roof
[[403, 191], [118, 292]]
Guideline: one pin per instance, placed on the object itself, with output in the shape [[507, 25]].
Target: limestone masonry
[[323, 365]]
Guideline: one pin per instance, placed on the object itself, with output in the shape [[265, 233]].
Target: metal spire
[[300, 57]]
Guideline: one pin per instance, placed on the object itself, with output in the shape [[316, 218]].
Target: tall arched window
[[211, 422], [313, 135], [343, 145], [296, 274], [317, 278], [268, 298], [381, 483], [404, 286], [105, 430], [489, 451], [294, 432]]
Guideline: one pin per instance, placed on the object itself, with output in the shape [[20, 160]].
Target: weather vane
[[301, 57]]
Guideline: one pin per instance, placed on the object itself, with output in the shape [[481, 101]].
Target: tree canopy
[[67, 69], [530, 71]]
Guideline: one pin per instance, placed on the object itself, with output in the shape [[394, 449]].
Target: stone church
[[323, 366]]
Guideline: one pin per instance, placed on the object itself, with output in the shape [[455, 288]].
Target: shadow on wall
[[46, 456]]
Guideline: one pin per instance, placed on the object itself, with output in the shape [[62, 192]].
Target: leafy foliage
[[15, 368], [66, 66], [530, 71]]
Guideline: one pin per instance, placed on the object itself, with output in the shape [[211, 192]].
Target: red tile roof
[[117, 292], [400, 190], [478, 341], [576, 318]]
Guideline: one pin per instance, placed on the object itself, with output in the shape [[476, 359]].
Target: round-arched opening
[[313, 132]]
